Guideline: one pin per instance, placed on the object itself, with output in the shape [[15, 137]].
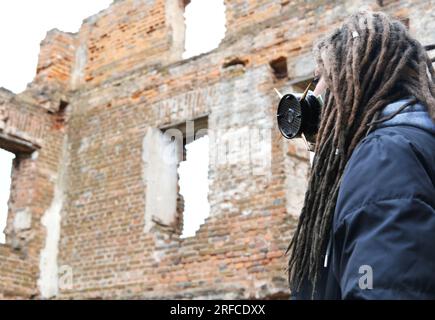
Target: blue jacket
[[382, 243]]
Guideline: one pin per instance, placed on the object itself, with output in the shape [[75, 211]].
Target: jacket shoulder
[[391, 163], [385, 218]]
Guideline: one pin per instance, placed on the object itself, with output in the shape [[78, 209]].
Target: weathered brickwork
[[56, 58], [83, 179], [17, 277], [35, 136], [128, 35]]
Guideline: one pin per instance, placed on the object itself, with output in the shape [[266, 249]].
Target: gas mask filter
[[298, 116]]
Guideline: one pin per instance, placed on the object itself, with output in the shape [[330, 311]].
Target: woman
[[367, 227]]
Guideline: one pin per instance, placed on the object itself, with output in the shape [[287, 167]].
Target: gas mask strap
[[310, 146]]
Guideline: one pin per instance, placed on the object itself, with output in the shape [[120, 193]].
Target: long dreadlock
[[369, 62]]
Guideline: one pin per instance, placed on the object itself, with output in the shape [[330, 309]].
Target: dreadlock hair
[[369, 62]]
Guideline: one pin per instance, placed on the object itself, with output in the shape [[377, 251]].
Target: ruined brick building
[[94, 212]]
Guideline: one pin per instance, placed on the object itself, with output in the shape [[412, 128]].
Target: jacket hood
[[415, 115]]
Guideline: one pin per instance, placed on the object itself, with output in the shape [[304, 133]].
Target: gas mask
[[298, 116]]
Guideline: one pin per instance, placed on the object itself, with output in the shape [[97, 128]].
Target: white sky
[[205, 26], [5, 182], [194, 172], [24, 24]]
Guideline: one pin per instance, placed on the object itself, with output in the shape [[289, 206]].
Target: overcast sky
[[24, 23]]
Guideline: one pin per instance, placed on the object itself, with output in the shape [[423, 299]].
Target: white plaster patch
[[48, 268], [175, 18], [81, 59], [84, 144], [302, 66], [35, 155], [160, 161], [296, 181], [22, 220], [158, 256]]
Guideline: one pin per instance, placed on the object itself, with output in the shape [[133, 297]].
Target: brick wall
[[16, 275], [126, 77], [128, 35], [35, 135], [56, 58]]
